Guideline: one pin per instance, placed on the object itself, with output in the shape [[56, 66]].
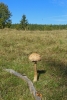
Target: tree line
[[6, 22]]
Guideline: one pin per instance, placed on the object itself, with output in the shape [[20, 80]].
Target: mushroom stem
[[35, 72], [34, 57]]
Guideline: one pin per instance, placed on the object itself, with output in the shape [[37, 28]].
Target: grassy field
[[15, 48]]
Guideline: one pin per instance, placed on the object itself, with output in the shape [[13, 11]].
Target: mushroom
[[34, 57]]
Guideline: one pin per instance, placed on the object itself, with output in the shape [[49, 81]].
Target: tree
[[24, 22], [8, 24], [4, 15]]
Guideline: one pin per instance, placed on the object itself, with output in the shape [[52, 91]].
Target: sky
[[38, 11]]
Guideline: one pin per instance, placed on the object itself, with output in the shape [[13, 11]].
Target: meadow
[[15, 48]]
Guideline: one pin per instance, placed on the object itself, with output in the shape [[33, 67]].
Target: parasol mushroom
[[34, 57]]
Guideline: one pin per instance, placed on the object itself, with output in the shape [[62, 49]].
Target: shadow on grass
[[59, 65], [40, 72]]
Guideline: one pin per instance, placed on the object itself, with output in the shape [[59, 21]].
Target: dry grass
[[15, 47]]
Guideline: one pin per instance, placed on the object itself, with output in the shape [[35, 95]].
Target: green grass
[[16, 46]]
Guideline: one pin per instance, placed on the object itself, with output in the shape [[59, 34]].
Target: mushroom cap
[[34, 57]]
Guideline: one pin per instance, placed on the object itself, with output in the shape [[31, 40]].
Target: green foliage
[[4, 16], [1, 23], [8, 24], [34, 27], [24, 22]]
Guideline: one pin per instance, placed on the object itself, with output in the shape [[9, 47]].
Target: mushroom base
[[35, 79]]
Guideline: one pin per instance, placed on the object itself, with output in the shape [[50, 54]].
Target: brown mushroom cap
[[34, 57]]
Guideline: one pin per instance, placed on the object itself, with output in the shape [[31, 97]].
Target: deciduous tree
[[4, 15]]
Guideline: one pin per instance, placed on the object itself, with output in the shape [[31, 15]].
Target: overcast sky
[[38, 11]]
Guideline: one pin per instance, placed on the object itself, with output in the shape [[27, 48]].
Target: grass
[[16, 46]]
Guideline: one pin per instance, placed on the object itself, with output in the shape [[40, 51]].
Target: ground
[[15, 48]]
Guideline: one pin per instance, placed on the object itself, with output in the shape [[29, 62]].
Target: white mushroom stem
[[35, 72]]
